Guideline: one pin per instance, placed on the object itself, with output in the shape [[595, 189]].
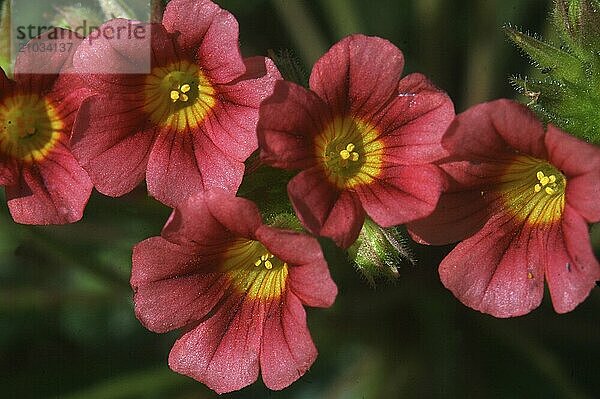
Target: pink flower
[[364, 139], [188, 124], [44, 183], [521, 199], [237, 287]]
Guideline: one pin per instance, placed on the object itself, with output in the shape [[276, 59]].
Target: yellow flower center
[[350, 152], [254, 271], [534, 190], [178, 96], [30, 127]]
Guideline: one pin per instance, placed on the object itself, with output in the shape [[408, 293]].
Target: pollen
[[178, 95], [547, 183], [350, 151], [265, 259], [254, 270], [533, 190]]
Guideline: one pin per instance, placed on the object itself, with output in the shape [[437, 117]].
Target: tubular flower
[[237, 287], [521, 199], [44, 184], [364, 139], [187, 124]]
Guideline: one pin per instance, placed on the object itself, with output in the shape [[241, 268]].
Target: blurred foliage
[[67, 328]]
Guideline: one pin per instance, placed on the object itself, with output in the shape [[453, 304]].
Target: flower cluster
[[369, 150]]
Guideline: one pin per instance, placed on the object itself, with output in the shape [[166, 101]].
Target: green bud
[[378, 252], [546, 57], [578, 23], [290, 66], [568, 92]]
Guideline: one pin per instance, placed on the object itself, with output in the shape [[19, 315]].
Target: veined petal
[[287, 349], [223, 350], [358, 76], [52, 191], [402, 194], [309, 278], [287, 142], [499, 270], [583, 188], [323, 209], [210, 32], [413, 124], [487, 130], [232, 123], [173, 285], [572, 268], [110, 142], [37, 71]]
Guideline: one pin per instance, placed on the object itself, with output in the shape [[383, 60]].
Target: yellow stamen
[[354, 156], [174, 95], [268, 264], [257, 263], [540, 175], [344, 154], [350, 147], [544, 180], [552, 178], [184, 97], [549, 191], [185, 88], [537, 188]]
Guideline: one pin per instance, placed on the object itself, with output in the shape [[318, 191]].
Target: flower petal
[[223, 351], [173, 173], [210, 30], [572, 269], [111, 145], [192, 223], [174, 285], [231, 124], [359, 75], [182, 164], [309, 277], [287, 349], [402, 194], [413, 124], [583, 190], [9, 171], [464, 207], [287, 142], [499, 270], [118, 48], [488, 129], [324, 210], [238, 215], [53, 191], [37, 71]]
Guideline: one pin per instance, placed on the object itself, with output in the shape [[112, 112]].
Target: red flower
[[364, 138], [44, 183], [188, 124], [523, 199], [237, 286]]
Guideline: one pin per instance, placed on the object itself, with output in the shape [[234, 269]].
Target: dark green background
[[67, 328]]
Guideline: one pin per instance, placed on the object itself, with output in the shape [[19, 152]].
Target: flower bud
[[378, 252]]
